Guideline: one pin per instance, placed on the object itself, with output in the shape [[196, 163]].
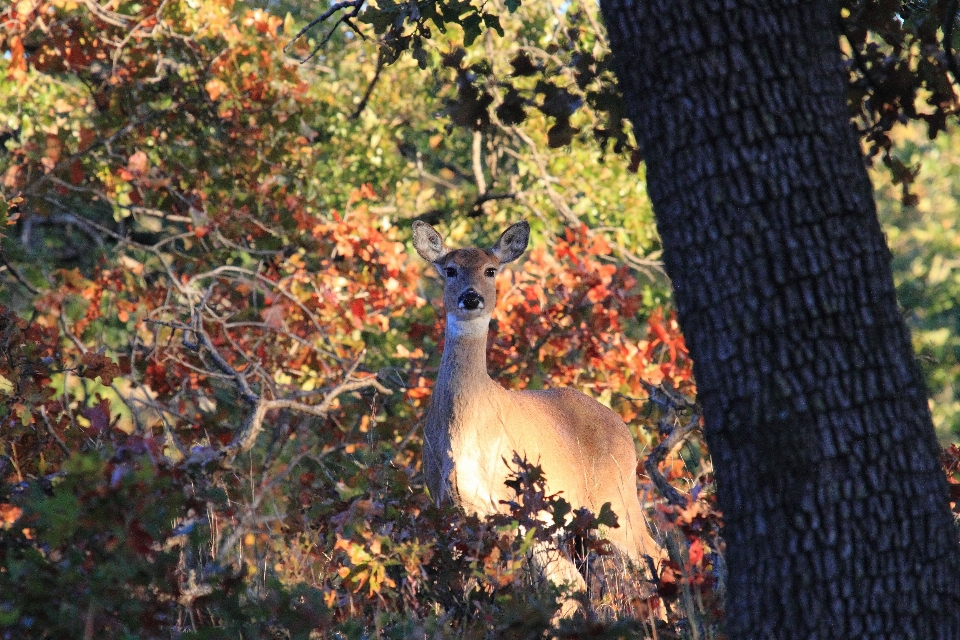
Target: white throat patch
[[476, 328]]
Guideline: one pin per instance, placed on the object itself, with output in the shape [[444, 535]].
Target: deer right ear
[[427, 242], [512, 243]]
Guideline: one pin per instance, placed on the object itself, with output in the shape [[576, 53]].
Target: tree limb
[[247, 437], [677, 436]]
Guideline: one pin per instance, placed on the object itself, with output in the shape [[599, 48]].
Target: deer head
[[470, 288]]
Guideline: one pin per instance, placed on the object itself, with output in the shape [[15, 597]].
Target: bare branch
[[66, 331], [53, 432], [110, 17], [246, 392], [478, 163], [948, 25], [369, 92], [354, 5], [643, 265], [669, 402], [17, 275], [247, 437]]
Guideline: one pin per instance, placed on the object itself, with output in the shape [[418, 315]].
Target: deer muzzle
[[470, 300]]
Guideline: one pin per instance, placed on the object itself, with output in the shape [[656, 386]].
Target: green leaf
[[379, 19], [57, 518], [513, 5], [420, 55], [471, 28], [493, 22], [561, 508], [607, 517]]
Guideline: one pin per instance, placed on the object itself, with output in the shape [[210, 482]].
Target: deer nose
[[470, 300]]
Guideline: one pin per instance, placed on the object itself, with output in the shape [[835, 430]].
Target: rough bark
[[835, 508]]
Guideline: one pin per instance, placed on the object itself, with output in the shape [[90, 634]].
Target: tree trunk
[[835, 507]]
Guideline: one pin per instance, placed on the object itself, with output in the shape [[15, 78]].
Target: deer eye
[[491, 272], [451, 272]]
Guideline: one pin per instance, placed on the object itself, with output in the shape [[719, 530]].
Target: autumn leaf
[[137, 163], [695, 552], [97, 365], [215, 88], [98, 415], [9, 514]]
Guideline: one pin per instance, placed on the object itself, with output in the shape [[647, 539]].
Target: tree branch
[[17, 275], [354, 5], [678, 435], [951, 19], [247, 437], [369, 92]]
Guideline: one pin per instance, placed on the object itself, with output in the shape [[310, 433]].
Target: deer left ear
[[427, 242], [512, 243]]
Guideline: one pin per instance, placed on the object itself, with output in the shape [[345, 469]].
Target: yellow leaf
[[215, 88]]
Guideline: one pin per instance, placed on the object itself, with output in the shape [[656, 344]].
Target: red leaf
[[356, 307], [98, 415], [96, 364], [695, 552]]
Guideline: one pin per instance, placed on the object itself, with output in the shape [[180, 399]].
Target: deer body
[[474, 426]]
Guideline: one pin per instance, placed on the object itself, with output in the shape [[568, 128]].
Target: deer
[[474, 425]]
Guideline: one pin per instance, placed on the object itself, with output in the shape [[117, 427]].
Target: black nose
[[470, 300]]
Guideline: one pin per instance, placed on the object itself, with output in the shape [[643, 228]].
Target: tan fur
[[474, 424]]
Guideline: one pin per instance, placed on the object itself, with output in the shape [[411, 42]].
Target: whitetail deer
[[474, 425]]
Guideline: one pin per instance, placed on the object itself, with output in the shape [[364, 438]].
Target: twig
[[246, 392], [640, 264], [247, 437], [110, 17], [17, 275], [53, 432], [406, 439], [58, 219], [354, 5], [950, 19], [258, 277], [66, 331], [119, 47], [652, 464], [226, 547], [369, 92]]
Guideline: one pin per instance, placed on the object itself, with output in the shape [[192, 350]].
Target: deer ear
[[427, 242], [512, 243]]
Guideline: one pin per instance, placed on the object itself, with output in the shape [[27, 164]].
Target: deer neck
[[463, 367]]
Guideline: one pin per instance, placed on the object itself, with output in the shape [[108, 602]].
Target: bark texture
[[835, 507]]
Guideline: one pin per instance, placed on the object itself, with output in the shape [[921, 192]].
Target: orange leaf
[[9, 514], [215, 88], [695, 552]]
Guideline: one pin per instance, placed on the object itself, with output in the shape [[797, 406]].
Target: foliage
[[215, 351], [925, 240], [900, 59]]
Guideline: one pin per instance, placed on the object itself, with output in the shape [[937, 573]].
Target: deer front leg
[[554, 565]]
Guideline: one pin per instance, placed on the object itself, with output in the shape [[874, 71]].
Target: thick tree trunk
[[835, 508]]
